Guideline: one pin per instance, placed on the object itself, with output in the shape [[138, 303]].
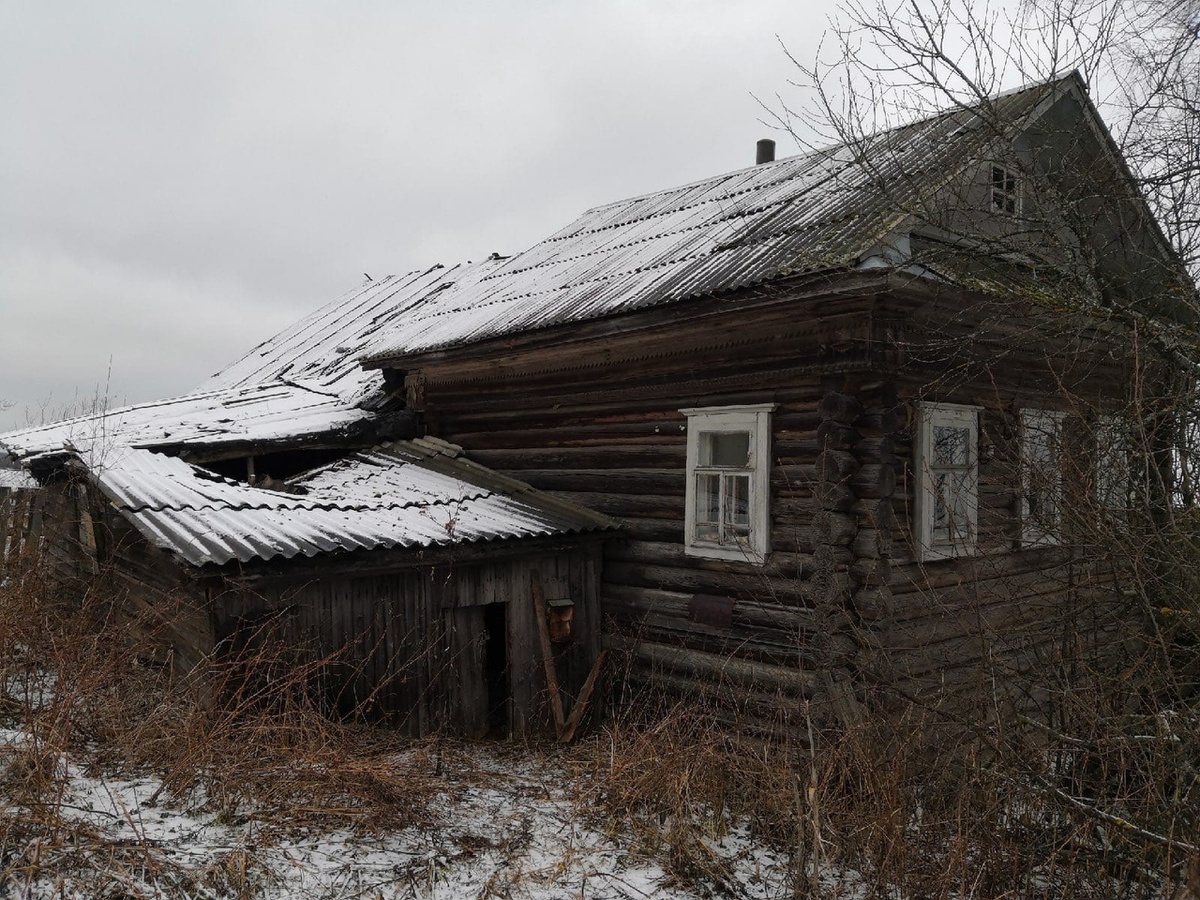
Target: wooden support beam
[[539, 610]]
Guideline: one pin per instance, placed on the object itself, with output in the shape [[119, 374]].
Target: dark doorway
[[495, 668]]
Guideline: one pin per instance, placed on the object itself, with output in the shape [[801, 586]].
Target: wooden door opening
[[496, 669]]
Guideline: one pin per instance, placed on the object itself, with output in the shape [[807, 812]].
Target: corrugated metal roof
[[16, 480], [407, 494], [822, 210], [304, 381], [819, 211]]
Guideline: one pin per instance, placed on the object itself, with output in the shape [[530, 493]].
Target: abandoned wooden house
[[823, 401]]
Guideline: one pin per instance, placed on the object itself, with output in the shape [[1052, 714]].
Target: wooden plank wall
[[407, 647]]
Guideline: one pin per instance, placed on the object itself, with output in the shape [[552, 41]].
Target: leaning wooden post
[[585, 696], [539, 610]]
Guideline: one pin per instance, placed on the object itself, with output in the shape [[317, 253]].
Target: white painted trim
[[754, 419], [927, 414]]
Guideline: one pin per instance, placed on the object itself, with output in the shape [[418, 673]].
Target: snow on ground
[[510, 827]]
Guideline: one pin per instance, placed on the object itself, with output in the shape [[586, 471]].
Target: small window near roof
[[728, 471], [1006, 195]]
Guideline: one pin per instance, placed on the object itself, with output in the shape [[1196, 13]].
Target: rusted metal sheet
[[408, 494]]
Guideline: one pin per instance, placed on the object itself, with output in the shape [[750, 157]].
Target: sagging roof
[[16, 480], [409, 494], [823, 210], [304, 381]]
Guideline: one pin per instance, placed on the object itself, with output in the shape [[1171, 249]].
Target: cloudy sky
[[180, 181]]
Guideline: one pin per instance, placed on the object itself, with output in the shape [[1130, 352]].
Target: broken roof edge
[[237, 522]]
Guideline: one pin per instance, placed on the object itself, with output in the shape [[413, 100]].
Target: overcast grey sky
[[180, 181]]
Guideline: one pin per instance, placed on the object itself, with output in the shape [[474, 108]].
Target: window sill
[[717, 551]]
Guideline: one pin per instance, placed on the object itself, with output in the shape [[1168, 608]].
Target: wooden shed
[[409, 586]]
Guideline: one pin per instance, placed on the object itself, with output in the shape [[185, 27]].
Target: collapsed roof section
[[409, 494], [305, 381]]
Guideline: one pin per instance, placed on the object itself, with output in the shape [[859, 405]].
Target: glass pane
[[718, 448], [708, 499], [737, 500], [941, 514], [951, 445], [959, 524]]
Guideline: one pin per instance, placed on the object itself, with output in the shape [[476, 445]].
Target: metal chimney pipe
[[765, 152]]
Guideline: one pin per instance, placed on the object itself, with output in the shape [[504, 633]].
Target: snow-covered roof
[[419, 493], [16, 480], [819, 211], [826, 209], [304, 381]]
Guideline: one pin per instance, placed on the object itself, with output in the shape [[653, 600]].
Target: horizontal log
[[837, 497], [835, 466], [871, 572], [791, 538], [666, 482], [615, 457], [782, 564], [872, 543], [829, 527], [697, 581], [644, 506], [874, 513], [652, 529], [879, 449], [718, 668], [873, 604], [875, 422], [833, 435]]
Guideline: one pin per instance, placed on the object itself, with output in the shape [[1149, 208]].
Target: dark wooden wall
[[408, 646], [842, 600]]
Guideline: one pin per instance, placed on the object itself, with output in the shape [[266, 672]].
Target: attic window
[[1006, 195]]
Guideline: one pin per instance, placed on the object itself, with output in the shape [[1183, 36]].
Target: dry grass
[[73, 682], [921, 809]]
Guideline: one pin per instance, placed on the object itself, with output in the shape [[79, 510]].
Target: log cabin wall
[[841, 601], [448, 647], [599, 423], [993, 628]]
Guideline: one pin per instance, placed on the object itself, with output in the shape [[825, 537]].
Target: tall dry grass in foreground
[[924, 804], [78, 687]]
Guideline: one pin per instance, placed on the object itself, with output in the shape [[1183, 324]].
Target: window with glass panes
[[947, 468], [1041, 475], [728, 469], [1006, 197]]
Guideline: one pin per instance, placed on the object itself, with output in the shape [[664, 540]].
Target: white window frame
[[1000, 197], [1044, 528], [754, 420], [928, 416]]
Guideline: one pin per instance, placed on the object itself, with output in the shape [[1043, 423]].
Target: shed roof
[[414, 494]]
